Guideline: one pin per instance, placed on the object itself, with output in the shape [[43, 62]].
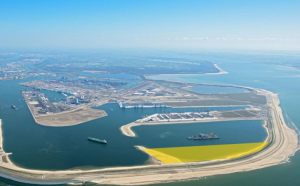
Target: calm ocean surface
[[36, 146]]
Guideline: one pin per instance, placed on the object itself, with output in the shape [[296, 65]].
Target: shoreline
[[151, 158], [147, 76], [221, 70], [283, 144]]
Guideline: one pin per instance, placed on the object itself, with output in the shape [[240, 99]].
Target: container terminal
[[146, 104], [176, 117]]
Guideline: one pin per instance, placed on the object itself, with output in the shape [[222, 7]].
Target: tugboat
[[97, 140], [14, 107]]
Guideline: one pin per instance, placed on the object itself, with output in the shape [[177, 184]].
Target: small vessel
[[14, 107], [97, 140]]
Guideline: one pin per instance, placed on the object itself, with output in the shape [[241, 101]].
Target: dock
[[147, 104]]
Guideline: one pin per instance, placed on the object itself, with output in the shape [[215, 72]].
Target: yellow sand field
[[204, 153]]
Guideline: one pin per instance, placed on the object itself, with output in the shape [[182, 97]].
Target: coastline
[[283, 143], [221, 70], [1, 138], [213, 73], [153, 160]]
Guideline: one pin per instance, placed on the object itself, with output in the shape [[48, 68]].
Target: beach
[[213, 73], [221, 70]]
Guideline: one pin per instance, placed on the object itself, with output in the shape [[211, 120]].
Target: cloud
[[200, 38], [267, 39], [219, 39]]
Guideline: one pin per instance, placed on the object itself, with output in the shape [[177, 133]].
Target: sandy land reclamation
[[204, 153], [73, 117], [68, 118], [283, 143]]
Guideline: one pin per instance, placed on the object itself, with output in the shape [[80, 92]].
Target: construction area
[[65, 113]]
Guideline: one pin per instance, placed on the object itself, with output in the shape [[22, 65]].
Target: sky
[[188, 24]]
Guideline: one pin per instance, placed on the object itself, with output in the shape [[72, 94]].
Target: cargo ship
[[202, 136], [97, 140], [14, 107]]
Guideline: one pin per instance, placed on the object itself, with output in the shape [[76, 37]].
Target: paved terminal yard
[[187, 116]]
